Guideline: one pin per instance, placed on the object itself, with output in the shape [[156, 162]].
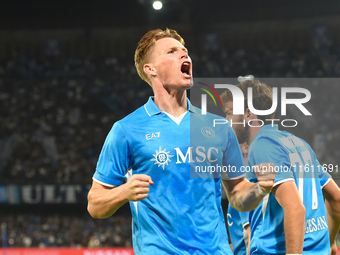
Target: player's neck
[[174, 102]]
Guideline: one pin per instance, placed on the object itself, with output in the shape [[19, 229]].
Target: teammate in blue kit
[[239, 230], [293, 218], [238, 222], [153, 158]]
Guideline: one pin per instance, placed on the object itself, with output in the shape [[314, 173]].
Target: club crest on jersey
[[208, 132], [161, 157]]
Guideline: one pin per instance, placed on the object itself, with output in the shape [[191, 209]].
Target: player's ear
[[149, 69], [249, 115]]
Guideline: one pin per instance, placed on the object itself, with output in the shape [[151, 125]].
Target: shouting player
[[148, 158]]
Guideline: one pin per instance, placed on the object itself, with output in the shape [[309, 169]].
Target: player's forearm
[[331, 194], [334, 249], [333, 218], [294, 227], [244, 196], [104, 203], [247, 238], [248, 197]]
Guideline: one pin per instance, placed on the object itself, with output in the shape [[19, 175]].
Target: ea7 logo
[[238, 100], [152, 135]]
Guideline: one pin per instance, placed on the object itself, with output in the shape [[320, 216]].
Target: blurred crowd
[[56, 230], [55, 113]]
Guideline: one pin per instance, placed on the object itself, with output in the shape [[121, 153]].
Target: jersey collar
[[152, 109], [270, 127]]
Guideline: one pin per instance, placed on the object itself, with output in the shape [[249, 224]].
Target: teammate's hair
[[262, 97], [142, 52]]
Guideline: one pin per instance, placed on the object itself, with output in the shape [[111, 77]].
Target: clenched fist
[[137, 187], [265, 174]]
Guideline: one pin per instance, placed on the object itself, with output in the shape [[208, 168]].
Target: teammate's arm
[[334, 249], [103, 201], [288, 197], [247, 237], [245, 196], [331, 193]]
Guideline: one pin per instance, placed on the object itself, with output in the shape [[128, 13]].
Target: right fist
[[137, 187]]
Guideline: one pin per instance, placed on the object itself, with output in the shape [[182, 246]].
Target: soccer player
[[238, 222], [239, 231], [291, 219], [148, 159]]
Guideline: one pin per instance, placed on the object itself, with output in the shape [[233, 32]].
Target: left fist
[[265, 174]]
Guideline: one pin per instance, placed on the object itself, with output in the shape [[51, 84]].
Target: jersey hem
[[282, 181], [103, 183], [245, 224], [326, 183]]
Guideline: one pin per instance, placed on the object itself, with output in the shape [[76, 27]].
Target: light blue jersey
[[294, 160], [182, 213], [236, 222]]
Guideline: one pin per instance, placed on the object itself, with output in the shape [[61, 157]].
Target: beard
[[242, 134]]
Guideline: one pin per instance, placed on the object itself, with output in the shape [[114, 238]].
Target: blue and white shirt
[[182, 213], [294, 160]]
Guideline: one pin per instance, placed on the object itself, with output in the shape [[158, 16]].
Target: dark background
[[40, 14]]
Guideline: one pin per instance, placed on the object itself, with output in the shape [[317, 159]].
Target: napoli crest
[[208, 132]]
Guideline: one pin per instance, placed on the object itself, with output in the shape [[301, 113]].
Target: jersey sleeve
[[266, 150], [114, 159], [232, 158], [324, 176]]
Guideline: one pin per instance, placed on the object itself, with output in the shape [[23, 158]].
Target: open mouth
[[185, 68]]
